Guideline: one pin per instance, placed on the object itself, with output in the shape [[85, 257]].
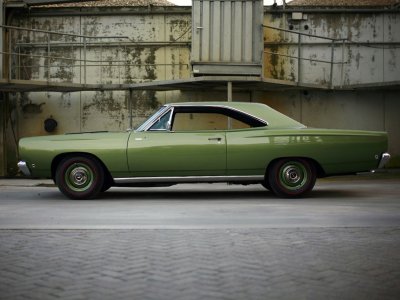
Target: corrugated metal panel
[[225, 35]]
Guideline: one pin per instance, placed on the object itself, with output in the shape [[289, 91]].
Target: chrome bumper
[[24, 168], [384, 159]]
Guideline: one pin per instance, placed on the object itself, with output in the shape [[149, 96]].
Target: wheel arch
[[318, 168], [57, 159]]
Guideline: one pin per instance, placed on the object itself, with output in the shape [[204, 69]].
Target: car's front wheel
[[80, 177], [292, 177]]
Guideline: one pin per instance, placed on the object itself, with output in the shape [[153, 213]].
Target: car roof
[[259, 110]]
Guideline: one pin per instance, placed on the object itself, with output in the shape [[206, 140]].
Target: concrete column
[[2, 101], [1, 36]]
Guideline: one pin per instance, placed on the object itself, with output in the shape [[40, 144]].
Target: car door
[[247, 151], [183, 148]]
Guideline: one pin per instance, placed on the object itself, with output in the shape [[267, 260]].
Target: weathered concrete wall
[[371, 52], [156, 48]]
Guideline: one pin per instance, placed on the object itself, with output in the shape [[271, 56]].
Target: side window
[[237, 124], [162, 123], [193, 121]]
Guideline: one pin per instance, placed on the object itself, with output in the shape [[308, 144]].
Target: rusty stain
[[278, 67]]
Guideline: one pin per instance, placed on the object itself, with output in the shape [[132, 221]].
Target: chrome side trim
[[23, 167], [384, 159], [188, 179]]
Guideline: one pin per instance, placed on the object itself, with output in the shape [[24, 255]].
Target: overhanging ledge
[[203, 82], [194, 83]]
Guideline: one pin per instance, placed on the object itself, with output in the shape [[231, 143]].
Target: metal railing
[[333, 43], [23, 55]]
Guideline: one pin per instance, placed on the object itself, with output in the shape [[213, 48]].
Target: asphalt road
[[203, 241], [363, 201]]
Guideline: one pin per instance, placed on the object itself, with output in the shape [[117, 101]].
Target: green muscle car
[[243, 143]]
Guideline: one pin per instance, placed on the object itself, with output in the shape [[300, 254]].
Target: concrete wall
[[371, 51], [156, 48]]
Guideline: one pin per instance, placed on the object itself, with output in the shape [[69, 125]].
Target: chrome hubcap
[[293, 176], [79, 176]]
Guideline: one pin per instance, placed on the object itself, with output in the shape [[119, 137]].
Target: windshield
[[151, 119], [162, 123]]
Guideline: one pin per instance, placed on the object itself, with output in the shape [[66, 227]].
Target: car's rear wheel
[[80, 177], [292, 177]]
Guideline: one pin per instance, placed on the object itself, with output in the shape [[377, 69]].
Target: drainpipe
[[229, 91], [130, 108]]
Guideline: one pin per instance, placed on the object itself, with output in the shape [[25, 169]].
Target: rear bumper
[[23, 167], [384, 159]]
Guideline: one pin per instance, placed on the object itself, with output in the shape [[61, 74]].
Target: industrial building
[[75, 66]]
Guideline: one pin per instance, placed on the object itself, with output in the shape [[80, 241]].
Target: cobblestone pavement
[[284, 263]]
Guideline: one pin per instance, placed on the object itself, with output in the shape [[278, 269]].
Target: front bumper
[[23, 166], [384, 159]]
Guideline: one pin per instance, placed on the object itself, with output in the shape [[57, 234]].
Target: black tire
[[292, 177], [266, 184], [80, 177], [106, 185]]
